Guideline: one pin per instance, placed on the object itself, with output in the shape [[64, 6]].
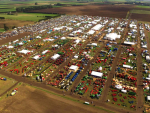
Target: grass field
[[27, 16], [1, 30], [140, 11], [140, 6], [4, 85]]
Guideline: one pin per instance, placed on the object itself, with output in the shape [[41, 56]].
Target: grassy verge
[[141, 6], [140, 11], [28, 16], [69, 98]]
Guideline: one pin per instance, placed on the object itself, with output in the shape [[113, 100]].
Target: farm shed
[[54, 57], [127, 66], [129, 43], [112, 36], [73, 67], [97, 74], [24, 51]]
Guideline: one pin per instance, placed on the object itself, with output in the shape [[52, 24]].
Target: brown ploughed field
[[116, 11], [41, 102]]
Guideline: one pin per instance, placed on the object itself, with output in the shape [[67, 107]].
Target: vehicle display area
[[101, 61]]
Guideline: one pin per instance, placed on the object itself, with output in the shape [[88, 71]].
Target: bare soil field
[[41, 102], [11, 23], [117, 11], [140, 17]]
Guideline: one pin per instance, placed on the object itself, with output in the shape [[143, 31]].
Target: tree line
[[30, 8]]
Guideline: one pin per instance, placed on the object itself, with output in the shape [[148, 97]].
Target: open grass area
[[1, 30], [141, 6], [4, 85], [140, 11], [27, 16]]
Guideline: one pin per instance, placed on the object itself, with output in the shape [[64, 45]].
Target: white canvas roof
[[124, 91], [77, 41], [45, 51], [144, 46], [112, 36], [10, 47], [147, 57], [36, 57], [15, 41], [55, 56], [20, 43], [127, 66], [24, 51], [147, 78], [129, 43], [118, 86], [97, 74], [76, 56], [148, 97], [100, 68], [63, 38], [97, 27], [91, 32], [38, 36], [48, 39], [94, 44], [73, 67]]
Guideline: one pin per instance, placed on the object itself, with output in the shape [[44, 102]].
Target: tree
[[13, 27], [5, 27], [36, 3]]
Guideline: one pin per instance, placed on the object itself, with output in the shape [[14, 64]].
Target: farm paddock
[[28, 96]]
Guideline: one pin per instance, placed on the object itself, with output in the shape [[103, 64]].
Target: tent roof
[[55, 56], [24, 51], [112, 36], [148, 97], [127, 66], [73, 67], [97, 74], [129, 43], [45, 51], [10, 47], [97, 27], [118, 86], [36, 57], [91, 32]]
